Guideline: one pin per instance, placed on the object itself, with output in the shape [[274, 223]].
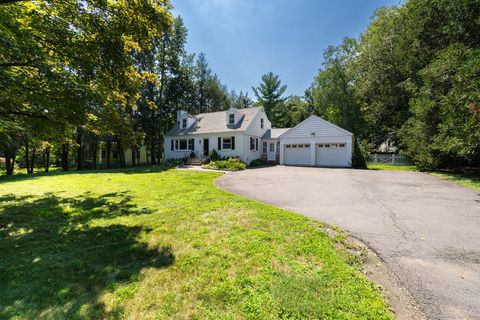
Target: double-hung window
[[184, 123], [182, 144], [261, 123], [252, 144], [231, 118], [227, 143], [264, 147]]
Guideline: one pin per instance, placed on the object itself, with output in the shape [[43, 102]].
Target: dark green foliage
[[358, 156], [270, 96], [444, 130], [232, 164], [214, 155], [257, 163], [412, 77]]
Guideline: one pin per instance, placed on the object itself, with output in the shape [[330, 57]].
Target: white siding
[[317, 126], [254, 128], [250, 155], [323, 132], [213, 144]]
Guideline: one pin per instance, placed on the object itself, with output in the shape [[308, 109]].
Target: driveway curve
[[427, 230]]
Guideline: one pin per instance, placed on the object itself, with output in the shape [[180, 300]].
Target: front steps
[[194, 161]]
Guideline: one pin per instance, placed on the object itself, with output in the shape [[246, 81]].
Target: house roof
[[274, 133], [214, 122], [314, 117]]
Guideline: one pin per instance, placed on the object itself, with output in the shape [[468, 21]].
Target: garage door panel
[[297, 154], [331, 154]]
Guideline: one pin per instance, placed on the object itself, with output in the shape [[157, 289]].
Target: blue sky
[[244, 39]]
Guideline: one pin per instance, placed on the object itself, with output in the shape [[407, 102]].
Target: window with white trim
[[264, 147], [252, 144], [184, 123], [227, 143], [261, 123], [272, 147], [181, 145], [231, 118]]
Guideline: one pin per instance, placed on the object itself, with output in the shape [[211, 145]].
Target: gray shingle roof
[[274, 133], [215, 122]]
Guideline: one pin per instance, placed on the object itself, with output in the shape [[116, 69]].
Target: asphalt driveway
[[426, 229]]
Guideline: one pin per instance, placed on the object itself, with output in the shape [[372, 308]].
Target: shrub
[[257, 163], [232, 164], [359, 154], [214, 155]]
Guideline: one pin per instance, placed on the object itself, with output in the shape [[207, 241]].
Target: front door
[[271, 152], [205, 147]]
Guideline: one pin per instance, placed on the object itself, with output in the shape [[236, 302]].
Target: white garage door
[[298, 154], [331, 154]]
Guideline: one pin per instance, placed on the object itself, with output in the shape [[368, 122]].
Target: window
[[261, 123], [272, 147], [183, 144], [227, 143], [342, 145], [184, 123], [252, 144], [264, 147], [190, 144], [327, 146], [231, 118]]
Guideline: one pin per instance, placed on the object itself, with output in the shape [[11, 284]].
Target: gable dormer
[[184, 120], [233, 116]]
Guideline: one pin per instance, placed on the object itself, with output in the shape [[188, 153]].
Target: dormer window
[[231, 118], [184, 123], [261, 123]]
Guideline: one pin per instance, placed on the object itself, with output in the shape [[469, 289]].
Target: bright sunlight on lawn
[[471, 180], [156, 243]]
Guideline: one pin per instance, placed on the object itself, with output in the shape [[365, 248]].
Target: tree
[[269, 94], [332, 93], [444, 130]]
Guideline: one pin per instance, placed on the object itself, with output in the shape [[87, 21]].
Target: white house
[[247, 133]]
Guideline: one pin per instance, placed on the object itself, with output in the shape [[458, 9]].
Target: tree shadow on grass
[[55, 263]]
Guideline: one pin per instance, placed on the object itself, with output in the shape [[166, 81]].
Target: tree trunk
[[79, 150], [32, 160], [109, 150], [47, 159], [120, 153], [152, 152], [27, 157], [65, 156], [134, 156], [10, 164], [95, 153]]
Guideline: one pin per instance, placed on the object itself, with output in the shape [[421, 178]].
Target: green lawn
[[153, 243], [391, 167], [471, 180]]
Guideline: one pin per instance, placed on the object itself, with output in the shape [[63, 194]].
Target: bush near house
[[257, 163], [232, 164]]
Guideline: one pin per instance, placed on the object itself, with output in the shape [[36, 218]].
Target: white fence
[[391, 159]]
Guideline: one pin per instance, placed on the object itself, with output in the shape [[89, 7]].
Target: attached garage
[[297, 154], [331, 155], [316, 142]]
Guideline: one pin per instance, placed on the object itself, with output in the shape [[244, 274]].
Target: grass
[[156, 243], [471, 180], [391, 167]]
